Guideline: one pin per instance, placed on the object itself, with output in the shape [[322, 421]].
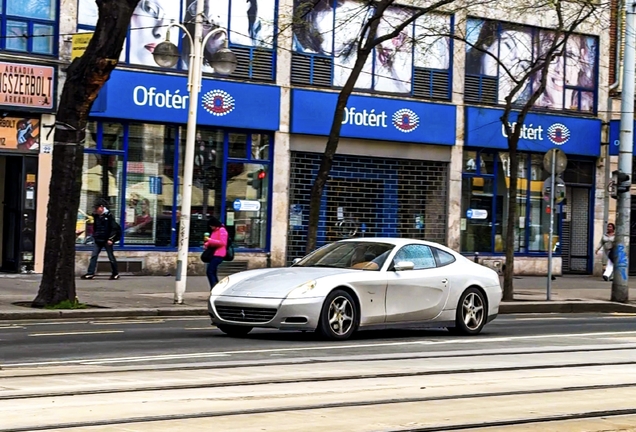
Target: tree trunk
[[85, 77]]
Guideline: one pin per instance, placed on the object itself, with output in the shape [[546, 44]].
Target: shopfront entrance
[[18, 177]]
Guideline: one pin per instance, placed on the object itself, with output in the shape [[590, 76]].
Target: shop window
[[207, 180], [30, 26], [246, 203], [149, 186], [485, 204], [102, 176]]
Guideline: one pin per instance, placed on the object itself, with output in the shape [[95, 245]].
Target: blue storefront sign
[[374, 118], [614, 137], [539, 133], [161, 98]]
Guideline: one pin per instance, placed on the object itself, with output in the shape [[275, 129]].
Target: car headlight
[[302, 289], [218, 288]]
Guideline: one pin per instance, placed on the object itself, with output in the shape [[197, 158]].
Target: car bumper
[[290, 314]]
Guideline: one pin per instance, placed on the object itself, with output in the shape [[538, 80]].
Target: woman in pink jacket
[[218, 241]]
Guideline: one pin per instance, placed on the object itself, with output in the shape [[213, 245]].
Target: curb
[[580, 306], [506, 308], [103, 313]]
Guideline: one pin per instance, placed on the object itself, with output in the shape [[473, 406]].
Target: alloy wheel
[[473, 311], [341, 316]]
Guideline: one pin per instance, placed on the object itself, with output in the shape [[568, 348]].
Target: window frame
[[430, 248], [478, 98], [54, 23], [180, 131], [312, 58], [239, 48]]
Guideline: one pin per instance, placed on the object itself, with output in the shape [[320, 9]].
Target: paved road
[[193, 339], [526, 373]]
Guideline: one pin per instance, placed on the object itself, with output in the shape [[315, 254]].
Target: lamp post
[[166, 54]]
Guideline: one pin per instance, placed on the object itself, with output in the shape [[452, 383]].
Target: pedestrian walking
[[106, 232], [218, 241], [607, 245]]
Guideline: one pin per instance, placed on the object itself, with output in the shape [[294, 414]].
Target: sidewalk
[[153, 296]]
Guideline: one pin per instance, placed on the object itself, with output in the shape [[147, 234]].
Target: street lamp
[[166, 54]]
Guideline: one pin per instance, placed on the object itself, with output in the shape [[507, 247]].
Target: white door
[[418, 294]]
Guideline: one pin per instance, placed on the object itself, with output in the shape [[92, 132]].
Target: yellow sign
[[80, 43]]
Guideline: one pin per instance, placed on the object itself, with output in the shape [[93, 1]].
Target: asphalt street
[[194, 339], [524, 373]]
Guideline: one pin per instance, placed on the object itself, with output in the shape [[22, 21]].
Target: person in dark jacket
[[106, 232]]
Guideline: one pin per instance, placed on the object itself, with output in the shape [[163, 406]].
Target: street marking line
[[472, 341], [11, 327], [150, 358], [76, 333], [120, 322]]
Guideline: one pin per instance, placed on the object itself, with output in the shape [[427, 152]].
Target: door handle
[[444, 281]]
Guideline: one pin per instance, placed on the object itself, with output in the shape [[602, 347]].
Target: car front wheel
[[471, 313], [235, 331], [339, 316]]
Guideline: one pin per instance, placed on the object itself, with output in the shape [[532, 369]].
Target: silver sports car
[[361, 283]]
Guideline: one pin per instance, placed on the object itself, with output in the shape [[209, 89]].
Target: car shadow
[[363, 335]]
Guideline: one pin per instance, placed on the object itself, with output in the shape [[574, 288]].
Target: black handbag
[[207, 255]]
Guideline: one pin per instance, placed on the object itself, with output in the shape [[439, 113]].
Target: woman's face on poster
[[149, 25], [515, 57], [577, 62]]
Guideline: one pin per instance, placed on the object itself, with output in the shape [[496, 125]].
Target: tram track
[[371, 403], [217, 385]]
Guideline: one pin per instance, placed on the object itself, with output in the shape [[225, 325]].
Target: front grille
[[245, 314]]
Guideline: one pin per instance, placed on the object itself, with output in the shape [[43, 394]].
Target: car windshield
[[368, 256]]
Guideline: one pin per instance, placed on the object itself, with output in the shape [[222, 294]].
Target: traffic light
[[621, 183], [256, 180]]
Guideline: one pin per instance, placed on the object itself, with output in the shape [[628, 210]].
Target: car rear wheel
[[471, 313], [235, 331], [339, 316]]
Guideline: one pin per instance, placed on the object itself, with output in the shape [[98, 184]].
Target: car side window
[[420, 255], [443, 258]]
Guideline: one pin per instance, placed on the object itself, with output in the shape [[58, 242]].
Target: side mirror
[[296, 261], [404, 265]]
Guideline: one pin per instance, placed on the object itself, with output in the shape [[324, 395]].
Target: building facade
[[422, 152]]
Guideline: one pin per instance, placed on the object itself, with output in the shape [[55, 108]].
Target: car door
[[416, 294]]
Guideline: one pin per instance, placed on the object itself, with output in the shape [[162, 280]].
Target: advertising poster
[[571, 76], [332, 29], [22, 134]]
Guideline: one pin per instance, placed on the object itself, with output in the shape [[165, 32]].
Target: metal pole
[[620, 288], [552, 185], [194, 84]]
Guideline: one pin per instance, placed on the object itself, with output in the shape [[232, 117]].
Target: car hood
[[276, 283]]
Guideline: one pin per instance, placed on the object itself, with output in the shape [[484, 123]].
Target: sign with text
[[29, 86], [22, 134], [615, 135], [165, 99], [539, 133], [80, 42], [374, 118]]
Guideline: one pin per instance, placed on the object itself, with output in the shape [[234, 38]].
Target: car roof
[[397, 241]]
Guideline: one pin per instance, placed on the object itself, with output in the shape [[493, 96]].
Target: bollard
[[269, 260], [476, 259]]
